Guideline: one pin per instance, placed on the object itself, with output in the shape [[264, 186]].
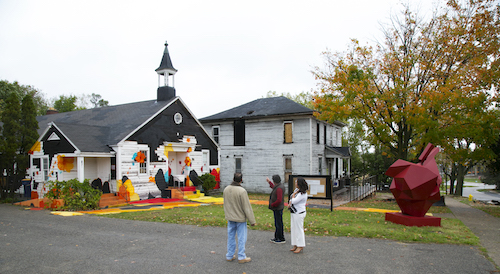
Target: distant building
[[133, 140], [276, 136]]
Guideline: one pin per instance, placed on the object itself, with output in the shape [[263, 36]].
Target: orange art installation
[[140, 157], [65, 163]]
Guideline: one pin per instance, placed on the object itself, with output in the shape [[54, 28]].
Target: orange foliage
[[427, 82]]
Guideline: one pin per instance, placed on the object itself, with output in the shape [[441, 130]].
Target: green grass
[[384, 204], [493, 210], [322, 222], [488, 190]]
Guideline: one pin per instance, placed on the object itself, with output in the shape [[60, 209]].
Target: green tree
[[303, 98], [29, 132], [97, 101], [11, 136], [19, 133], [492, 168], [66, 103], [354, 138], [376, 163], [7, 88], [427, 82]]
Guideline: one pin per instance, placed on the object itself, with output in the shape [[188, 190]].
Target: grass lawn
[[322, 222], [493, 210]]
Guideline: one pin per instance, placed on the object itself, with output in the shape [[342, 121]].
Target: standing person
[[297, 206], [237, 210], [276, 204]]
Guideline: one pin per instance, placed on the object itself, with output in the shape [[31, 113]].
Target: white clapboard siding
[[264, 152]]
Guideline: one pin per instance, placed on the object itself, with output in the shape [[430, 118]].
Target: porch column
[[336, 168], [118, 164], [349, 167], [80, 167]]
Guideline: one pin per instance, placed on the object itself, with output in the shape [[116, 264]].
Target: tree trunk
[[453, 177], [460, 179]]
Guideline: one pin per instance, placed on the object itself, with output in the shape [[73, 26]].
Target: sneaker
[[246, 260], [273, 240], [232, 259], [279, 241]]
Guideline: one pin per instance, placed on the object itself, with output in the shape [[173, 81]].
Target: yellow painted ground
[[190, 202], [371, 210], [66, 213], [140, 207], [208, 200]]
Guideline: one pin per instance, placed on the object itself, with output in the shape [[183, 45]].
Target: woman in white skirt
[[297, 206]]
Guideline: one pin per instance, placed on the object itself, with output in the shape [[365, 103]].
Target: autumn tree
[[428, 81]]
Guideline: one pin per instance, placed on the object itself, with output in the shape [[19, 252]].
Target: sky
[[227, 53]]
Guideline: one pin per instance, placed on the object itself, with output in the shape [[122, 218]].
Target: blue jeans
[[233, 229], [278, 224]]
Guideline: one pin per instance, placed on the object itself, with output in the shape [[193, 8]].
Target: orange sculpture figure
[[416, 188]]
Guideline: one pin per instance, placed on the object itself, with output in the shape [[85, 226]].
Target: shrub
[[76, 195], [208, 182]]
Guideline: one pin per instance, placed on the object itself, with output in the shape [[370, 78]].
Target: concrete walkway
[[483, 225], [39, 242]]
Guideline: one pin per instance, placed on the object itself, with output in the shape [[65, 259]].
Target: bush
[[208, 182], [76, 195], [491, 178]]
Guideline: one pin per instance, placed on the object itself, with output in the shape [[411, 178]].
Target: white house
[[133, 140], [276, 136]]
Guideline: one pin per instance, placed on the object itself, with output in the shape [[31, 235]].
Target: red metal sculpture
[[416, 188]]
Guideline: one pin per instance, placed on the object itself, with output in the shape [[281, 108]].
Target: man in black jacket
[[276, 204]]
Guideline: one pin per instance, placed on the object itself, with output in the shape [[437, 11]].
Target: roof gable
[[55, 141], [164, 128], [94, 129]]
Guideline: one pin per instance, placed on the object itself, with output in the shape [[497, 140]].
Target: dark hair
[[302, 184], [237, 177], [276, 179]]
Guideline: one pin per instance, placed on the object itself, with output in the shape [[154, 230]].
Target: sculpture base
[[407, 220]]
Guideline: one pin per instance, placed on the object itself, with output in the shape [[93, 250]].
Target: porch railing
[[362, 187]]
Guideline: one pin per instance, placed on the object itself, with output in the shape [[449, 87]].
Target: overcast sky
[[227, 53]]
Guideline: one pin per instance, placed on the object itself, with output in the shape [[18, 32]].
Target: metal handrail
[[361, 188]]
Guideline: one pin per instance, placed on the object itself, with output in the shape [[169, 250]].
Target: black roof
[[92, 130], [264, 107], [341, 151]]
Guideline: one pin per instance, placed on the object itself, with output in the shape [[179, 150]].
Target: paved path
[[39, 242], [472, 189], [483, 225]]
